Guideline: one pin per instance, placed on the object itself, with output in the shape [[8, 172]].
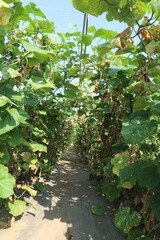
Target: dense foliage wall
[[36, 99], [118, 126]]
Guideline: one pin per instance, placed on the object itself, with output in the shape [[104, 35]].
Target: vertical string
[[84, 31]]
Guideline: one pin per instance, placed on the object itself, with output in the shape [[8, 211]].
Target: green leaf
[[128, 175], [105, 34], [16, 207], [155, 104], [140, 103], [126, 219], [137, 130], [19, 116], [5, 13], [148, 176], [154, 202], [44, 26], [155, 4], [123, 3], [91, 29], [25, 166], [3, 48], [38, 132], [142, 115], [137, 87], [16, 17], [32, 8], [11, 118], [14, 49], [120, 161], [133, 234], [140, 9], [110, 190], [4, 4], [71, 86], [116, 66], [13, 73], [155, 72], [42, 86], [98, 210], [69, 93], [34, 161], [37, 55], [31, 48], [94, 7], [151, 48], [4, 100], [42, 113], [16, 97], [35, 59], [36, 146], [40, 186], [74, 71], [86, 40], [32, 102], [15, 138], [4, 155], [7, 182], [70, 90], [31, 191]]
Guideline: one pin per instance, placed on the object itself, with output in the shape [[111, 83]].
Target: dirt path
[[64, 210]]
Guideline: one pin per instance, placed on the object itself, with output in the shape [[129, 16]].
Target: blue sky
[[62, 13]]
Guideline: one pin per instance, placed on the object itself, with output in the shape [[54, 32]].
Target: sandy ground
[[64, 210]]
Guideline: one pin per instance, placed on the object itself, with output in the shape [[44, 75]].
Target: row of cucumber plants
[[118, 123], [36, 99]]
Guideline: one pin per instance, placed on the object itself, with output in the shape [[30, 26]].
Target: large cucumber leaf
[[5, 13], [145, 176], [34, 9], [128, 175], [36, 146], [11, 118], [154, 201], [120, 161], [125, 219], [7, 182], [137, 130], [15, 138], [94, 7], [16, 207], [110, 190], [4, 100]]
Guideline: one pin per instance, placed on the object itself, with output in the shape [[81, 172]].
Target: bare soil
[[64, 209]]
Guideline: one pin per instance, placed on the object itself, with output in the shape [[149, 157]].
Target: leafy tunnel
[[105, 101]]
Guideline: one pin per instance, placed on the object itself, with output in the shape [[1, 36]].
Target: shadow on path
[[64, 210]]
